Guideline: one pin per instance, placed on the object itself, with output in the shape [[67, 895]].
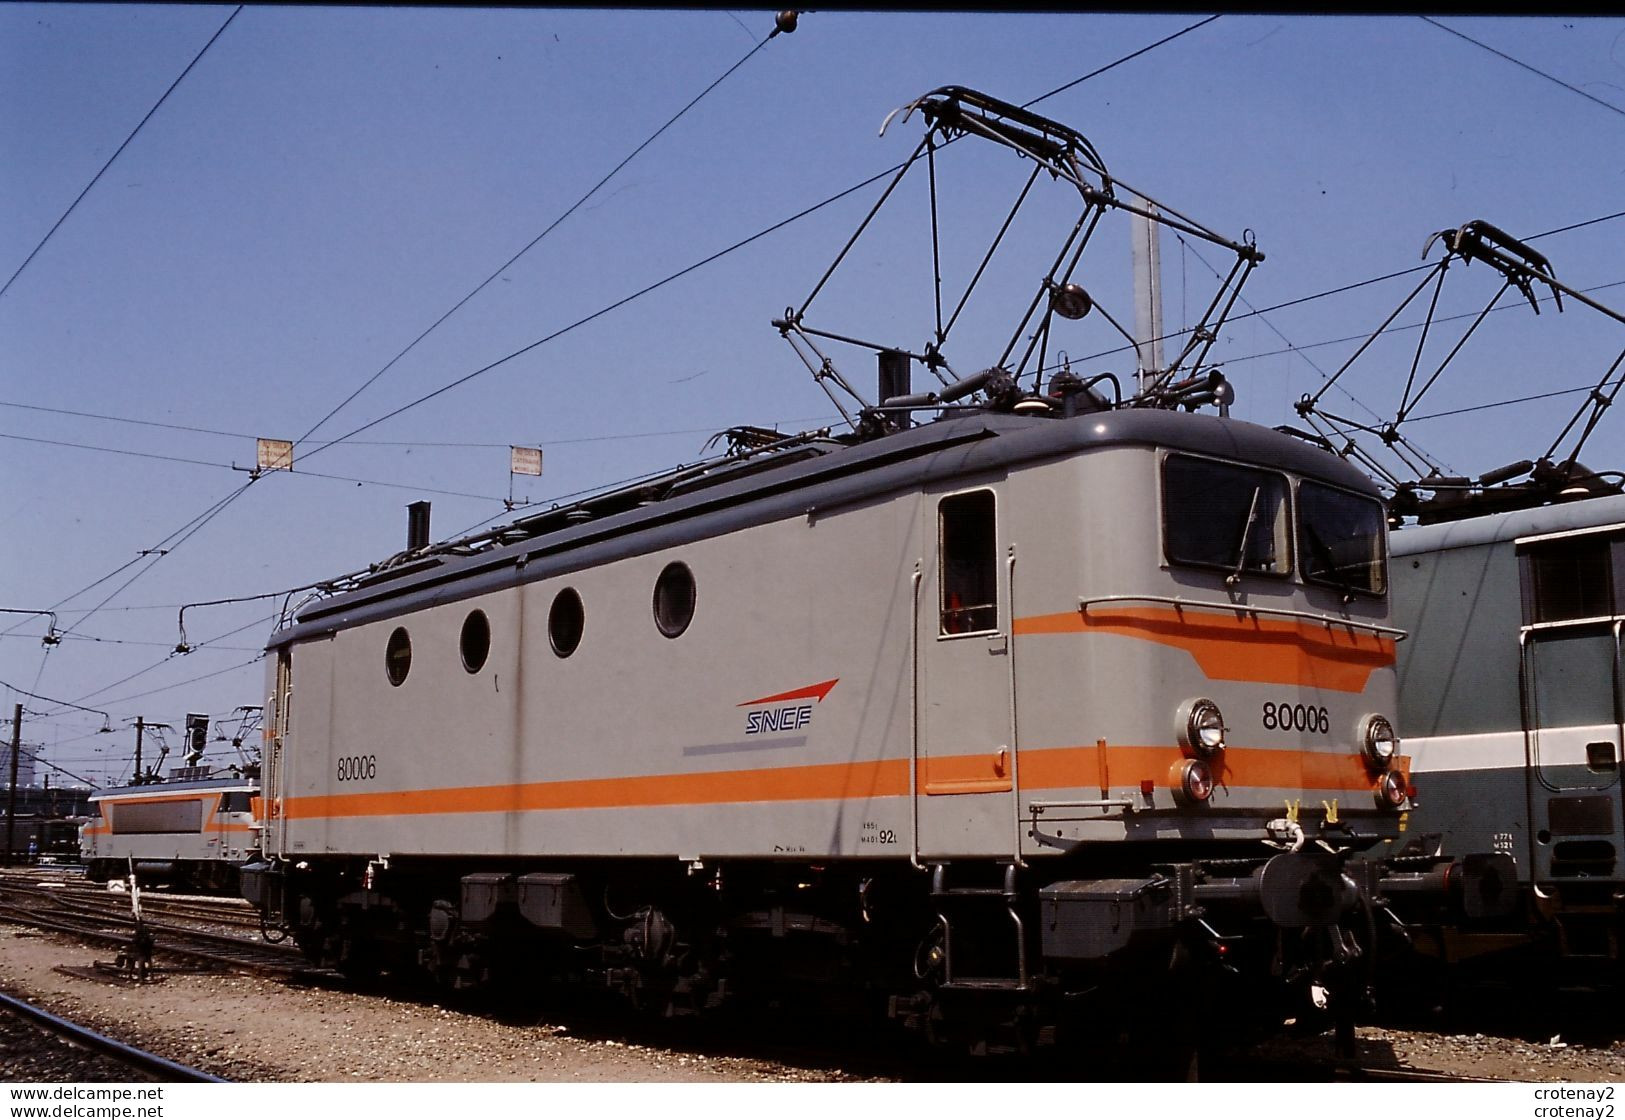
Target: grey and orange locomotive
[[1026, 695]]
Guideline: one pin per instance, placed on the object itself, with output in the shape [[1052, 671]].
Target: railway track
[[96, 918], [218, 912], [129, 1057], [102, 917], [222, 910]]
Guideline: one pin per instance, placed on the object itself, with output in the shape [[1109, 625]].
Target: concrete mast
[[1146, 236]]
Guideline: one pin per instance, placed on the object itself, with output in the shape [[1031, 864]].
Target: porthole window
[[398, 656], [674, 599], [475, 642], [565, 622]]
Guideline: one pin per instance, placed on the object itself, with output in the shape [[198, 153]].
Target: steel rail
[[191, 944], [120, 1052]]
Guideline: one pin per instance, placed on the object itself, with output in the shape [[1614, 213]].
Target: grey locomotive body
[[192, 833], [972, 715], [1511, 694]]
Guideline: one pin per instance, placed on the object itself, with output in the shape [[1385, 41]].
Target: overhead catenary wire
[[166, 546], [119, 150], [180, 684], [129, 642], [39, 757], [706, 261], [594, 189], [234, 467], [414, 444], [1256, 355], [1516, 62], [1355, 285], [220, 507]]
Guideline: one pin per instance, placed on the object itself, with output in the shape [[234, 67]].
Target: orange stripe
[[1246, 648], [1236, 767], [841, 781], [1050, 768]]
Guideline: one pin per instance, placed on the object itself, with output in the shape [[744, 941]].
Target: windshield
[[1341, 539], [1224, 516]]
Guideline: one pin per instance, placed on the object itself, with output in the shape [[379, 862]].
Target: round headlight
[[1378, 741], [1201, 727], [1391, 791], [1192, 781]]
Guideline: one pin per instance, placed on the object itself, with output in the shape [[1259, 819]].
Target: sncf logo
[[778, 719], [781, 712]]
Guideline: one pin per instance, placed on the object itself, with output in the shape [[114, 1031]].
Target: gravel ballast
[[245, 1028]]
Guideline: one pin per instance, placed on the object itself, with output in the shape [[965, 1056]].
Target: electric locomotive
[[192, 831], [1019, 708], [1510, 698], [191, 828]]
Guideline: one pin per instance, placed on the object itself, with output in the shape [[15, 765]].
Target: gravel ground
[[251, 1029]]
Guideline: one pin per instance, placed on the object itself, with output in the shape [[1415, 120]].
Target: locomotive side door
[[964, 766], [1573, 693], [273, 762]]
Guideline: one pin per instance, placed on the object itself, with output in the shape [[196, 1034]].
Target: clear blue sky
[[326, 182]]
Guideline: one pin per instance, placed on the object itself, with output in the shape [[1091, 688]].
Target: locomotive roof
[[796, 476], [225, 784], [1590, 513]]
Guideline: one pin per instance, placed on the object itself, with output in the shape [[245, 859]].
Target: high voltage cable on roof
[[119, 150]]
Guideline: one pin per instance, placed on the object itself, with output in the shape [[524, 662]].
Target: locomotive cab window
[[1340, 537], [237, 801], [1569, 578], [968, 552], [1219, 515]]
